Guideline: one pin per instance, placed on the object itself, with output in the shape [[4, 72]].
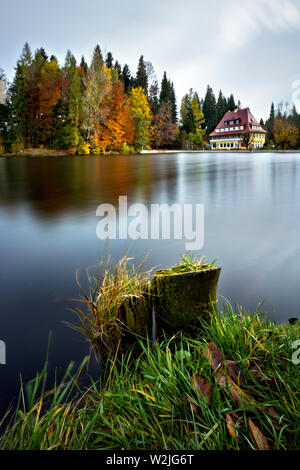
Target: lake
[[48, 231]]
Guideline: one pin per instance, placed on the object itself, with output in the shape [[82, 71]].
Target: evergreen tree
[[118, 69], [126, 78], [153, 98], [18, 95], [109, 60], [97, 60], [270, 123], [221, 106], [71, 134], [210, 110], [84, 65], [167, 95], [141, 76], [186, 114], [231, 106], [34, 97]]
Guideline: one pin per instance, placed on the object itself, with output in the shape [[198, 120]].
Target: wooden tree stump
[[180, 299]]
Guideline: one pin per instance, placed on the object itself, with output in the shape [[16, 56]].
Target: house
[[238, 130]]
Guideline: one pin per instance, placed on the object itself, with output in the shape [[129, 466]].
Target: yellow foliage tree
[[140, 111], [285, 134]]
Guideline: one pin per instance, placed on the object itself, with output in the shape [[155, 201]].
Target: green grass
[[102, 316], [149, 403], [187, 264]]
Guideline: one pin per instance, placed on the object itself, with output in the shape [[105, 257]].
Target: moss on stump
[[180, 299]]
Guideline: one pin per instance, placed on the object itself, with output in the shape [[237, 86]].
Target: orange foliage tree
[[50, 92], [119, 127]]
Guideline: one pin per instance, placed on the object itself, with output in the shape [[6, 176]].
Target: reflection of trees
[[53, 186]]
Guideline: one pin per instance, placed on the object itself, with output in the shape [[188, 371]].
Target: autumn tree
[[198, 134], [164, 128], [286, 135], [247, 139], [140, 111], [120, 123], [50, 94], [97, 85]]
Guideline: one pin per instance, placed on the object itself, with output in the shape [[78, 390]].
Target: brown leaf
[[235, 372], [194, 407], [202, 386], [231, 427], [236, 396], [276, 417], [234, 392], [213, 354], [257, 375], [222, 381], [260, 441]]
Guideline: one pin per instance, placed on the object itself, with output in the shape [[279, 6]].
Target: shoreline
[[63, 153]]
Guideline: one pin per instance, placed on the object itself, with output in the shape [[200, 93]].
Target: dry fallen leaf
[[276, 417], [235, 372], [202, 386], [234, 392], [260, 441], [236, 396], [231, 427], [213, 354], [257, 375], [194, 407]]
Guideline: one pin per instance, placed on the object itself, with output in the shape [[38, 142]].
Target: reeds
[[115, 307]]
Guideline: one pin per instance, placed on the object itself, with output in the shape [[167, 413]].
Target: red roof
[[247, 120]]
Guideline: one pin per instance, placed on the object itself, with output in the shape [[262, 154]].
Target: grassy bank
[[179, 394]]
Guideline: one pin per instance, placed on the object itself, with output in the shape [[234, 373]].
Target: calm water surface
[[48, 230]]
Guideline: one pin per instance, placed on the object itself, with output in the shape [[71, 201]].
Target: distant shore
[[64, 153]]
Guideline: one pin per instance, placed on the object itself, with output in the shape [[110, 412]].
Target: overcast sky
[[250, 49]]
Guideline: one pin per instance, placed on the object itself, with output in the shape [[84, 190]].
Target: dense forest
[[103, 107]]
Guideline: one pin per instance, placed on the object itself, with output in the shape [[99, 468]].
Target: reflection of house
[[238, 129]]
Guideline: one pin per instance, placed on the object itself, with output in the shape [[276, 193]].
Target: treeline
[[86, 108], [100, 107]]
